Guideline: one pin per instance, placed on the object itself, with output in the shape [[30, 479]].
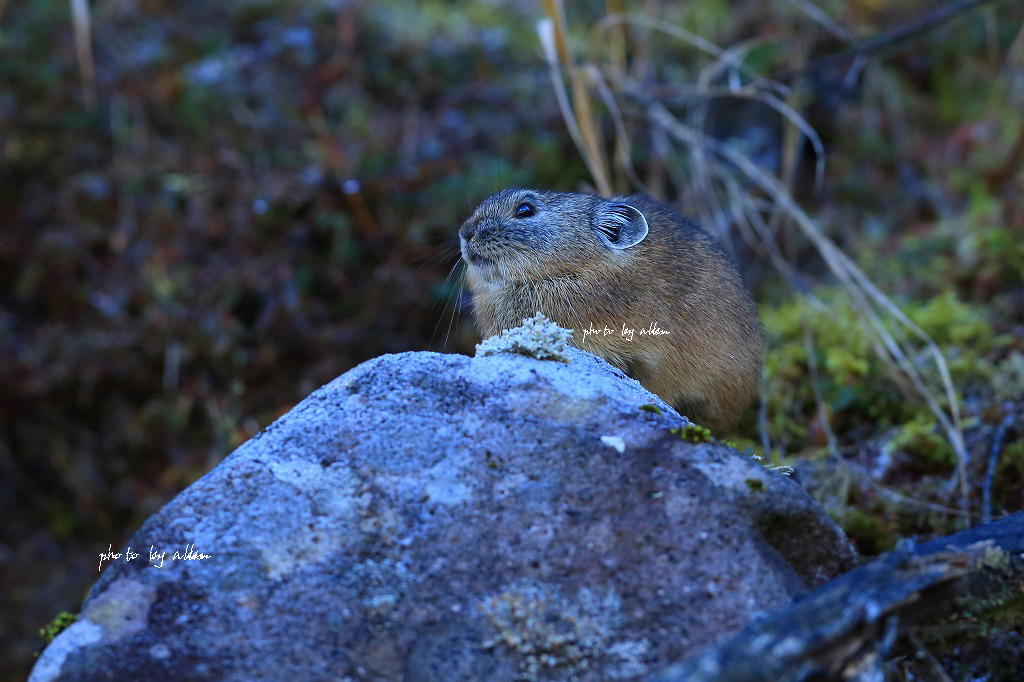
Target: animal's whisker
[[444, 287]]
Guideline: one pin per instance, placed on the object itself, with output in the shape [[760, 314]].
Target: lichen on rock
[[538, 337], [547, 630]]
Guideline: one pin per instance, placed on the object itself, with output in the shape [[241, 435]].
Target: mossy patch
[[61, 622], [923, 446], [694, 433], [855, 385], [870, 533]]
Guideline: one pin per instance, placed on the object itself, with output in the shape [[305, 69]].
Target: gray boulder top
[[432, 517]]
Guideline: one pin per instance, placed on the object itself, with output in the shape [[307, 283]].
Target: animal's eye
[[525, 210]]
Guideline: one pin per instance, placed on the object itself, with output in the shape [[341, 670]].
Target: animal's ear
[[620, 226]]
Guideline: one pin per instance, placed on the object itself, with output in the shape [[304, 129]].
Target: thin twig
[[993, 462], [821, 17], [622, 146], [914, 502], [930, 20], [920, 650]]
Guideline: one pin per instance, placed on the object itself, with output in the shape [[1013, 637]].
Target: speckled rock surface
[[431, 517]]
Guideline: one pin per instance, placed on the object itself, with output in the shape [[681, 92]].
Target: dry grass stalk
[[579, 116], [83, 46]]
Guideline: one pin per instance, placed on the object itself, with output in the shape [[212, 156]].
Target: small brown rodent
[[614, 265]]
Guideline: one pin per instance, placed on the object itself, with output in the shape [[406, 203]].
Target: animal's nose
[[467, 231]]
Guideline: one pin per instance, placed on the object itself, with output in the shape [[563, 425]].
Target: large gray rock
[[431, 517]]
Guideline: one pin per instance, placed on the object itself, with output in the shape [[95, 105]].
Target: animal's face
[[526, 235]]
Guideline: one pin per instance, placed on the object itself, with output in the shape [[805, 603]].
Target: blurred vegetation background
[[207, 210]]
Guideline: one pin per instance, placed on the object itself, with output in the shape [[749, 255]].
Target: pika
[[642, 287]]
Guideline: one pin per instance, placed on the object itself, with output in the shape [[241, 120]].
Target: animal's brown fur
[[709, 364]]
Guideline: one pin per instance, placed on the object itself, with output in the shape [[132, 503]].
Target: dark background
[[222, 206]]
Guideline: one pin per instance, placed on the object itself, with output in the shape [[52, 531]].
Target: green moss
[[61, 622], [855, 385], [846, 365], [651, 408], [949, 321], [1011, 462], [921, 440], [695, 433], [755, 485], [869, 533]]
